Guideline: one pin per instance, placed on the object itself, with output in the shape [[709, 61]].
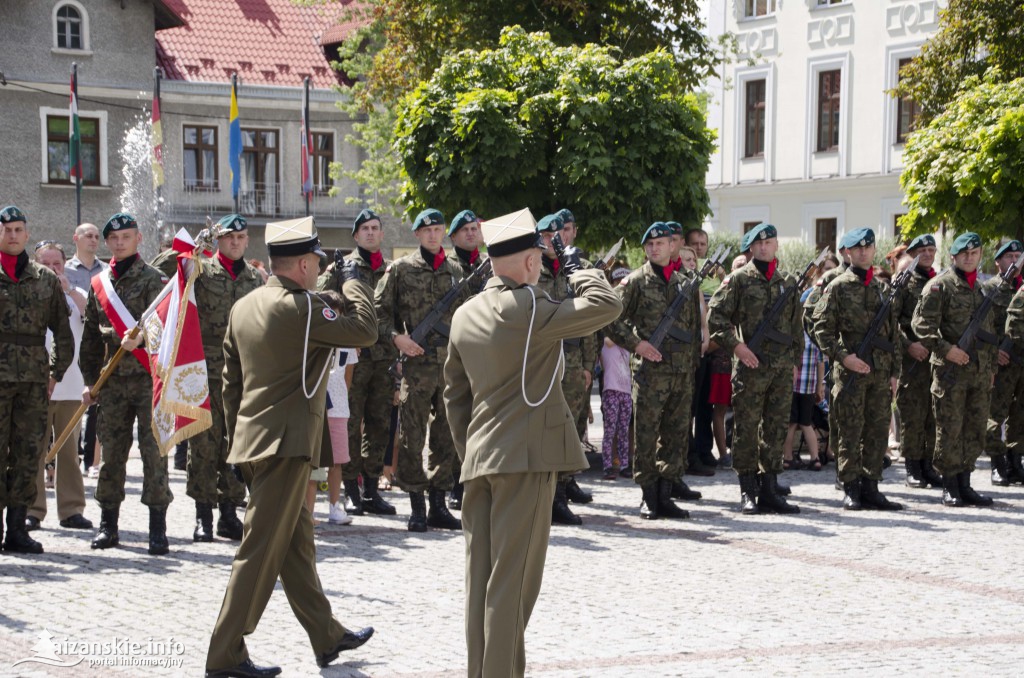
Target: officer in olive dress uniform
[[277, 350], [514, 432], [225, 278], [31, 301], [1015, 419], [961, 381]]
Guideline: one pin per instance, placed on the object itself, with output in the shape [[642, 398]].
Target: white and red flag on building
[[306, 154]]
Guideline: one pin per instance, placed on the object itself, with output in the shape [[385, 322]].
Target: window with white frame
[[70, 26], [829, 104], [756, 8], [754, 118]]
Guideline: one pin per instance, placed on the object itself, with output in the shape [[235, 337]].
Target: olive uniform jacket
[[495, 430], [268, 370]]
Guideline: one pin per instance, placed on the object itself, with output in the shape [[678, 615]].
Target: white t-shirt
[[336, 388], [72, 385]]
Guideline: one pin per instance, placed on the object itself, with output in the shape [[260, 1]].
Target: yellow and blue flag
[[234, 141]]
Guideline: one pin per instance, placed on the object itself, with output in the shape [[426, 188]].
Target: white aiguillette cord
[[305, 352], [526, 352]]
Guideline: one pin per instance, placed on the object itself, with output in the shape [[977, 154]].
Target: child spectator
[[337, 422], [616, 401], [808, 391]]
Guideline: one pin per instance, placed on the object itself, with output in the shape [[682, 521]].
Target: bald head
[[522, 267]]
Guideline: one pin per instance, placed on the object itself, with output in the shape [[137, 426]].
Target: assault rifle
[[684, 292], [871, 339], [766, 328]]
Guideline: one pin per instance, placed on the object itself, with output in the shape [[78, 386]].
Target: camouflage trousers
[[369, 403], [210, 479], [121, 403], [23, 413], [917, 419], [861, 415], [761, 400], [961, 413], [1009, 390], [422, 412], [574, 388], [662, 409]]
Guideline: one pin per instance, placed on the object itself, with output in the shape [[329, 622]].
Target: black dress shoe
[[77, 522], [244, 670], [350, 641]]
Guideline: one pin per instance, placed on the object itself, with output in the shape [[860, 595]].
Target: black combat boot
[[418, 517], [455, 500], [680, 490], [1000, 470], [575, 493], [769, 500], [228, 525], [204, 522], [372, 501], [649, 505], [852, 491], [158, 530], [438, 515], [930, 475], [353, 502], [561, 514], [915, 477], [1016, 467], [748, 494], [666, 507], [968, 494], [871, 498], [951, 491], [780, 489], [17, 539], [107, 536]]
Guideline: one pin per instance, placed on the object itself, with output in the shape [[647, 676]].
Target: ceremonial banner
[[157, 140], [181, 391], [74, 134], [234, 141]]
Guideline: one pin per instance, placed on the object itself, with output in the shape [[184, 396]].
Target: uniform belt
[[22, 339]]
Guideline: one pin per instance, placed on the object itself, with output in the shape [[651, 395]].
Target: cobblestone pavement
[[923, 592]]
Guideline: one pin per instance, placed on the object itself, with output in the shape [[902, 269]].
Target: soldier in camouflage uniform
[[961, 408], [844, 313], [166, 262], [410, 288], [1015, 420], [31, 300], [662, 401], [225, 279], [371, 393], [762, 385], [1005, 470], [128, 393], [914, 398]]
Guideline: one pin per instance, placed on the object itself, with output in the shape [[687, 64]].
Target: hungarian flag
[[307, 148], [157, 141], [75, 135], [181, 391]]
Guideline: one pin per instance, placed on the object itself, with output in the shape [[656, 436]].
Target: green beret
[[552, 223], [461, 219], [926, 240], [566, 216], [428, 217], [119, 222], [675, 227], [659, 229], [762, 231], [1012, 246], [232, 223], [858, 237], [11, 213], [965, 241], [364, 216]]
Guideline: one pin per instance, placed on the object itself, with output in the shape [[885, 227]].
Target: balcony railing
[[261, 200]]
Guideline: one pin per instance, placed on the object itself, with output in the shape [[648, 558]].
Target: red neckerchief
[[118, 268], [772, 265], [931, 273], [473, 256], [554, 264], [10, 264], [229, 265], [676, 264], [971, 277], [439, 259], [1017, 282], [869, 275], [376, 260]]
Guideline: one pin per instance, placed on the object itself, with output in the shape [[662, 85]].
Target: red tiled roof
[[267, 42]]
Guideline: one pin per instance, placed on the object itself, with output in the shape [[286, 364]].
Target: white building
[[809, 138]]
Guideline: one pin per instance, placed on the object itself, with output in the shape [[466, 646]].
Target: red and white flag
[[181, 390]]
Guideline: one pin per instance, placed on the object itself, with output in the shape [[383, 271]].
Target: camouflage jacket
[[384, 349], [138, 287], [27, 308], [909, 297], [812, 299], [745, 297], [557, 287], [843, 315], [1015, 321], [1000, 302], [645, 295], [408, 291], [216, 293], [945, 312], [166, 262]]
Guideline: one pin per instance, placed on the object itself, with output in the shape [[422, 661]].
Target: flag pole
[[77, 140], [307, 137]]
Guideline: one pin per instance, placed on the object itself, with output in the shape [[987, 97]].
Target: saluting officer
[[842, 318], [410, 288], [31, 301], [762, 385], [962, 408], [225, 279]]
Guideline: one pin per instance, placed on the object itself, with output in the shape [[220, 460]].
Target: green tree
[[535, 124]]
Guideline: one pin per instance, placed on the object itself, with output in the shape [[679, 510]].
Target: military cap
[[511, 233], [428, 217], [965, 241], [566, 216], [552, 223], [293, 237], [461, 219], [361, 218], [659, 229], [675, 227], [1012, 246], [926, 240], [121, 221], [858, 237], [232, 223], [762, 231], [11, 213]]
